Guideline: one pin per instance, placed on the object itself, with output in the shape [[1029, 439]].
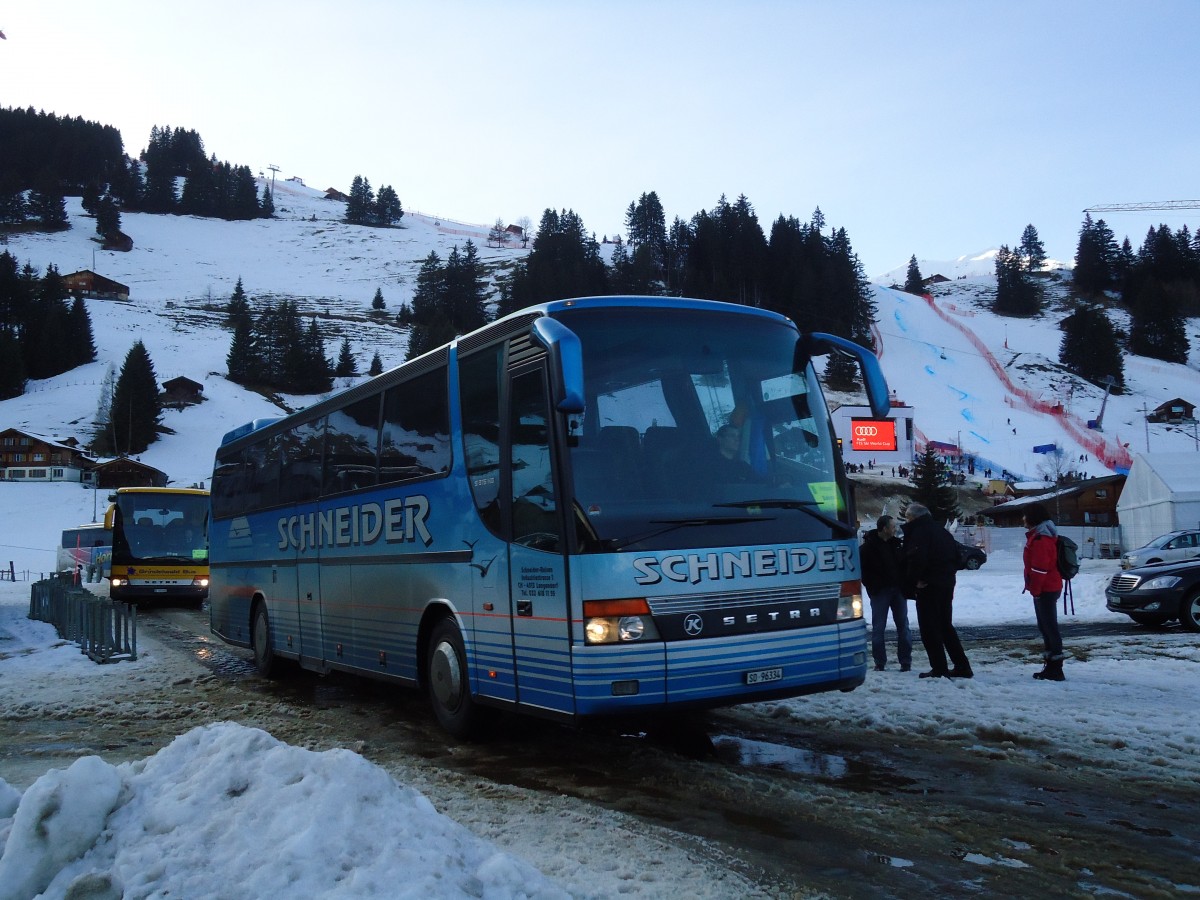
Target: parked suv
[[1152, 595], [1166, 548]]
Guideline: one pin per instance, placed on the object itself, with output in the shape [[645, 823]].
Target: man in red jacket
[[1045, 584]]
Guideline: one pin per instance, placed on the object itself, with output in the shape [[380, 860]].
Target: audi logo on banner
[[872, 434]]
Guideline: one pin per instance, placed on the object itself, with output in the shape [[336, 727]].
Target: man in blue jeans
[[882, 560]]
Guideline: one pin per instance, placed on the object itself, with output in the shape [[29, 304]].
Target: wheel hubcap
[[445, 675]]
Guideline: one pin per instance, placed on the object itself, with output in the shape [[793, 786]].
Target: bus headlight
[[850, 604], [617, 621], [200, 582], [116, 582]]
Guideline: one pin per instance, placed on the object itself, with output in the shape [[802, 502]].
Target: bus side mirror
[[566, 363], [876, 385]]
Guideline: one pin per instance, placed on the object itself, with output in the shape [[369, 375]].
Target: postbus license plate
[[763, 676]]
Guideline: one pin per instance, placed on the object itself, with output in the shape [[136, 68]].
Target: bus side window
[[479, 387], [415, 440], [351, 443], [300, 462], [535, 508]]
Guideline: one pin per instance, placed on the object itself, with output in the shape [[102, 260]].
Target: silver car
[[1175, 545]]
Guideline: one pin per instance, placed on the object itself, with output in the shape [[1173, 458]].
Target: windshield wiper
[[673, 524], [804, 506]]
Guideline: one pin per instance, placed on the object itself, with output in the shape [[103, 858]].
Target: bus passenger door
[[537, 566]]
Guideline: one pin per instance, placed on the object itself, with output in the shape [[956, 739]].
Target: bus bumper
[[616, 679]]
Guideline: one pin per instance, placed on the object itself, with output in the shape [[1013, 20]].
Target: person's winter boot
[[1052, 672]]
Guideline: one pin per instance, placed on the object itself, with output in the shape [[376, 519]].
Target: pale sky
[[930, 128]]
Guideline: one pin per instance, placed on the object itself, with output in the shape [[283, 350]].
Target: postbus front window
[[164, 527], [692, 416]]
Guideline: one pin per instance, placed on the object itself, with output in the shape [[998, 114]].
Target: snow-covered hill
[[975, 379]]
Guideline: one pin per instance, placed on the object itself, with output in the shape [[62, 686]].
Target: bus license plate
[[763, 676]]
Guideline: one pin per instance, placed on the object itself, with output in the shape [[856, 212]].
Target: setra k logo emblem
[[693, 625]]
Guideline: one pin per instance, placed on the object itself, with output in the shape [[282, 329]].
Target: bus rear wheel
[[265, 660], [447, 682]]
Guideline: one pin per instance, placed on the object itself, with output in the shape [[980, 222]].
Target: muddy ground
[[784, 811]]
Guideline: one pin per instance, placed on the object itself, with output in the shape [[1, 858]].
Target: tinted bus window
[[479, 386], [351, 445], [415, 438], [300, 462]]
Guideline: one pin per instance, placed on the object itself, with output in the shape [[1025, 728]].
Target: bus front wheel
[[265, 659], [447, 682]]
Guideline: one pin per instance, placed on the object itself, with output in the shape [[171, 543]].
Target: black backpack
[[1068, 568]]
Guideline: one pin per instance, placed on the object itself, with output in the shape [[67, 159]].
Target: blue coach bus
[[601, 506]]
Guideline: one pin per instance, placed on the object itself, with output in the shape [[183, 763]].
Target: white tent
[[1161, 494]]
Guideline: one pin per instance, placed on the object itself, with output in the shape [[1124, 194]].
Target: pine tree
[[388, 210], [12, 367], [1090, 347], [346, 366], [497, 236], [377, 303], [931, 480], [104, 410], [108, 218], [238, 308], [1096, 255], [266, 207], [1031, 249], [243, 360], [317, 374], [564, 262], [135, 405], [1016, 292], [913, 282], [360, 206], [49, 207], [81, 346], [1157, 329], [12, 202], [376, 366]]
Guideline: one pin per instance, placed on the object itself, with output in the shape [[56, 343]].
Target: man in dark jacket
[[882, 559], [931, 567]]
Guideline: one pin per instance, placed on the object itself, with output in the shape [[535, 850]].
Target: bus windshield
[[161, 527], [700, 430]]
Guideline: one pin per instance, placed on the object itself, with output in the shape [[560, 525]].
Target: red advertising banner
[[872, 434]]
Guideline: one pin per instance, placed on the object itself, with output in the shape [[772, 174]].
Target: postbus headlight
[[200, 582], [116, 581], [618, 621], [850, 605]]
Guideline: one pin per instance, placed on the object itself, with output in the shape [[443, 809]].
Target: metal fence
[[106, 630]]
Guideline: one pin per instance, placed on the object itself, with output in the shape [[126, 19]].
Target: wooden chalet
[[86, 283], [25, 456], [125, 472], [182, 391], [1173, 412], [335, 194], [1089, 502]]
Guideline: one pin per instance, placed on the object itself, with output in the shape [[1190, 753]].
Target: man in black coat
[[931, 567], [882, 559]]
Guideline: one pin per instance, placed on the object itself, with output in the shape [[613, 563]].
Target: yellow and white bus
[[159, 544]]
